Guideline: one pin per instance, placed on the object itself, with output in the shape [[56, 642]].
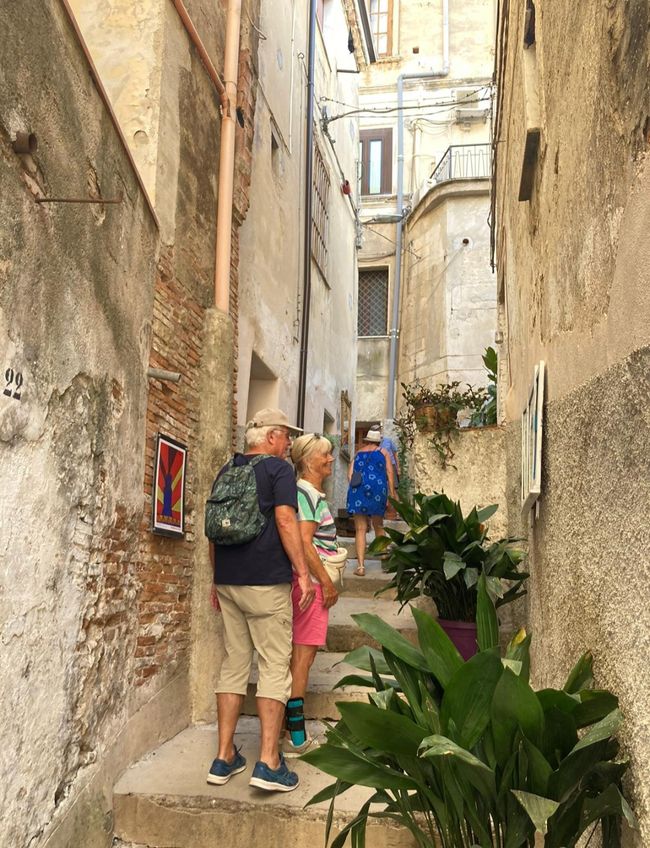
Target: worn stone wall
[[573, 281], [76, 300], [476, 475], [99, 616]]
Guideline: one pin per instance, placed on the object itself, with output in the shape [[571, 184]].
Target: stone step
[[321, 698], [366, 587], [164, 800], [344, 635]]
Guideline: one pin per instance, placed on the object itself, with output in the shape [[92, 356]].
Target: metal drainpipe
[[309, 168], [227, 159], [394, 330], [227, 91]]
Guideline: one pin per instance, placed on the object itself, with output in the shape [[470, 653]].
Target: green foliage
[[487, 414], [467, 754], [435, 410], [448, 557]]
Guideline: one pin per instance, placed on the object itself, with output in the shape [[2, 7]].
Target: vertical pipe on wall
[[227, 159], [394, 329], [309, 168]]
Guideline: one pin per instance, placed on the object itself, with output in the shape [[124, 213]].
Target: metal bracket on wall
[[161, 374], [117, 199]]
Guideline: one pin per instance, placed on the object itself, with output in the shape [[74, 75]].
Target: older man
[[252, 588]]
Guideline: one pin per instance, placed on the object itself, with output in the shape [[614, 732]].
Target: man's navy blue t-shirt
[[262, 561]]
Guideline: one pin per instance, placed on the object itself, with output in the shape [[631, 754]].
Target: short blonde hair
[[304, 447]]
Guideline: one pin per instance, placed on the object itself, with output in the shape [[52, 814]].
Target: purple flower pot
[[462, 634]]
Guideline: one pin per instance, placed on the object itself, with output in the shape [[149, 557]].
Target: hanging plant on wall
[[434, 411]]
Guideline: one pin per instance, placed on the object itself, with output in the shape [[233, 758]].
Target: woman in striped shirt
[[312, 457]]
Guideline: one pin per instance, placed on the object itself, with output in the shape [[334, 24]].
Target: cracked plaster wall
[[573, 278], [76, 287]]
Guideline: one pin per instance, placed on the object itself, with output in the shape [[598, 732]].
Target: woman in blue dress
[[371, 481]]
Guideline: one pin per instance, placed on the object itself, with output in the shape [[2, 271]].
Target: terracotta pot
[[462, 634], [429, 417]]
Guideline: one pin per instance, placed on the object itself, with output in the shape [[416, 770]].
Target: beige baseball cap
[[272, 418]]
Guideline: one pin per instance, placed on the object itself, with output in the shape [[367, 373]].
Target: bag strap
[[257, 458], [314, 506]]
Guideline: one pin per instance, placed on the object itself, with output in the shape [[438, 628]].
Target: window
[[376, 161], [320, 215], [373, 302], [381, 24]]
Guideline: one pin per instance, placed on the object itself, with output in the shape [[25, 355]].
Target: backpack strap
[[256, 461], [257, 458]]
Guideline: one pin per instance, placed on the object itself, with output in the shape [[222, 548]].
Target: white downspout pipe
[[227, 91], [227, 159], [394, 329]]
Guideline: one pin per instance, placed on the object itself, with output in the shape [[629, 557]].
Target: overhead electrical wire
[[445, 106]]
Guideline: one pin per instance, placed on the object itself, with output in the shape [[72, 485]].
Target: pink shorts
[[310, 625]]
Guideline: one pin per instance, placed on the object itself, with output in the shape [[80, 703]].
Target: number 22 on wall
[[14, 380]]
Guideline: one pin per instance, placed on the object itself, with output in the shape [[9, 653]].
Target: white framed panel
[[531, 440]]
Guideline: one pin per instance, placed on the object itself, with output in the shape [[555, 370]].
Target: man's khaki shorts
[[257, 618]]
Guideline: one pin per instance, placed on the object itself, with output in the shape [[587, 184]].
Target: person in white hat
[[252, 588]]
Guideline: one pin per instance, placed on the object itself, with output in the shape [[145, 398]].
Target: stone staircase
[[163, 801]]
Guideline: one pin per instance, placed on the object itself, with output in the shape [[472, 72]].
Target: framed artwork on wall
[[531, 440], [168, 498]]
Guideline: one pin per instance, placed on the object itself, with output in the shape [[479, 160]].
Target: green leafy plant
[[487, 414], [435, 411], [468, 754], [443, 554]]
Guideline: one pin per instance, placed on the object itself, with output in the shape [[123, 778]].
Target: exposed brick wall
[[164, 565]]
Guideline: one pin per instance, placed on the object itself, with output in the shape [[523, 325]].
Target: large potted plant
[[468, 754], [442, 555]]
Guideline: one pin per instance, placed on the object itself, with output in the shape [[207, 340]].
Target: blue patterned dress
[[369, 498]]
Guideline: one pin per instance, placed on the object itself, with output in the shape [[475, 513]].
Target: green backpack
[[232, 512]]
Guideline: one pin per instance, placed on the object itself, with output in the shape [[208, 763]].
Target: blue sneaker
[[221, 771], [274, 780]]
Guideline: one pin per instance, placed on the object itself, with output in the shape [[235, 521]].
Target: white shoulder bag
[[335, 567]]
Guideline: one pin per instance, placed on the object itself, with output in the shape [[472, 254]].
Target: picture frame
[[532, 424], [168, 495]]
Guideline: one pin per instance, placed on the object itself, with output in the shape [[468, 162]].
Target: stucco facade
[[272, 278], [573, 291], [447, 304], [76, 315], [108, 644]]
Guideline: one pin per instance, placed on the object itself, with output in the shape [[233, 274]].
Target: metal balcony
[[463, 162]]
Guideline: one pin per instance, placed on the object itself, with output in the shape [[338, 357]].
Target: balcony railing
[[463, 162]]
